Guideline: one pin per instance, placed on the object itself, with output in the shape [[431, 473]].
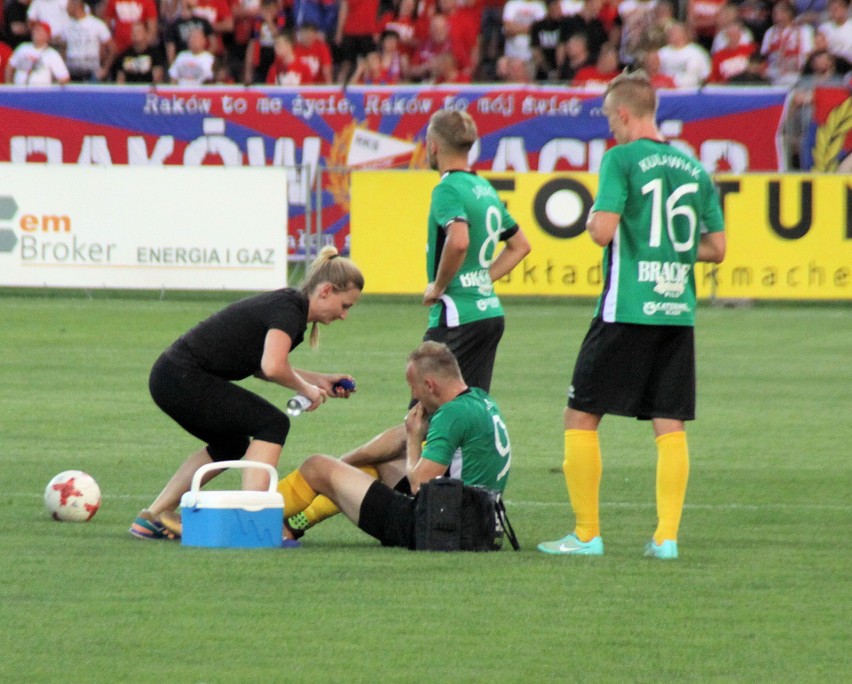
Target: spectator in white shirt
[[518, 18], [89, 48], [36, 63], [193, 66], [54, 13], [838, 29], [686, 62], [729, 13], [786, 45]]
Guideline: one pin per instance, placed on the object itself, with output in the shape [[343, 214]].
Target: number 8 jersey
[[464, 196], [666, 200]]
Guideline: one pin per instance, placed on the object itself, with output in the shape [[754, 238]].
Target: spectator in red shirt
[[356, 34], [728, 14], [5, 53], [221, 18], [732, 60], [312, 50], [463, 17], [395, 63], [260, 50], [120, 15], [286, 70], [403, 22], [423, 68], [701, 17], [608, 14], [605, 69]]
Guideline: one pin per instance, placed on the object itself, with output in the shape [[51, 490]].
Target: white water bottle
[[296, 405]]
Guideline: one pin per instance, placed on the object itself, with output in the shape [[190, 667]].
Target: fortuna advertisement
[[789, 235]]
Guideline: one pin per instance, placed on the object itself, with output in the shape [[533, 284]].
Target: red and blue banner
[[329, 131]]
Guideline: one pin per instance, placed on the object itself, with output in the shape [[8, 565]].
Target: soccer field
[[761, 592]]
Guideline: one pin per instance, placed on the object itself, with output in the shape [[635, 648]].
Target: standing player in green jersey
[[466, 222], [656, 214], [466, 436]]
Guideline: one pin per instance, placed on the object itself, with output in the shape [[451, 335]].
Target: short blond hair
[[455, 129], [435, 358], [634, 91]]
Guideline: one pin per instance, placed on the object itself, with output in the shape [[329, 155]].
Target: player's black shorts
[[641, 371], [217, 411], [475, 347], [388, 516]]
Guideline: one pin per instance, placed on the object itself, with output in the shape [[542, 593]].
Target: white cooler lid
[[252, 501]]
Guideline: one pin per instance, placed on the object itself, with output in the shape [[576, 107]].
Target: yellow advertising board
[[789, 236]]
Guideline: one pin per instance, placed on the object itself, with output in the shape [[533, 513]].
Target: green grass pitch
[[761, 592]]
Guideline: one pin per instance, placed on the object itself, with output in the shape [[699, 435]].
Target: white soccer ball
[[72, 496]]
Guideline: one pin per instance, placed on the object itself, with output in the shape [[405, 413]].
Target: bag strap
[[507, 526]]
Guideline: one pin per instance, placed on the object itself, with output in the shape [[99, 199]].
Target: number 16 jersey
[[666, 200]]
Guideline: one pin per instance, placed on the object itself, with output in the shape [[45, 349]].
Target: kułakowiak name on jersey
[[666, 200]]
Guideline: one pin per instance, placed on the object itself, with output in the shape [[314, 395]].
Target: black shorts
[[641, 371], [388, 516], [214, 410], [475, 347]]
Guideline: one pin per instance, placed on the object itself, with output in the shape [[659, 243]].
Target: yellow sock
[[583, 468], [322, 507], [296, 492], [672, 476]]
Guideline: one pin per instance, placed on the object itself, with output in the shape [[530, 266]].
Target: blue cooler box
[[232, 519]]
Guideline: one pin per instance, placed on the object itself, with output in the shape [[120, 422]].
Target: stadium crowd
[[584, 43]]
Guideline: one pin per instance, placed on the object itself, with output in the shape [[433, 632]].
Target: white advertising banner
[[187, 228]]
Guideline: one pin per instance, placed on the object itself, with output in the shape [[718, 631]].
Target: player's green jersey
[[666, 201], [469, 436], [464, 196]]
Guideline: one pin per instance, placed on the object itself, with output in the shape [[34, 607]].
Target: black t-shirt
[[230, 343], [15, 12], [546, 35], [138, 67], [178, 32], [593, 29]]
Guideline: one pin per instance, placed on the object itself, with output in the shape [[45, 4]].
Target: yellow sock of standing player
[[583, 468], [297, 494], [672, 476], [321, 507]]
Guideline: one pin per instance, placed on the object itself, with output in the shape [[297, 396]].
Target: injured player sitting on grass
[[452, 429]]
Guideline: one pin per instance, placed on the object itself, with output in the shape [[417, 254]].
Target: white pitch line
[[709, 507], [565, 504]]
